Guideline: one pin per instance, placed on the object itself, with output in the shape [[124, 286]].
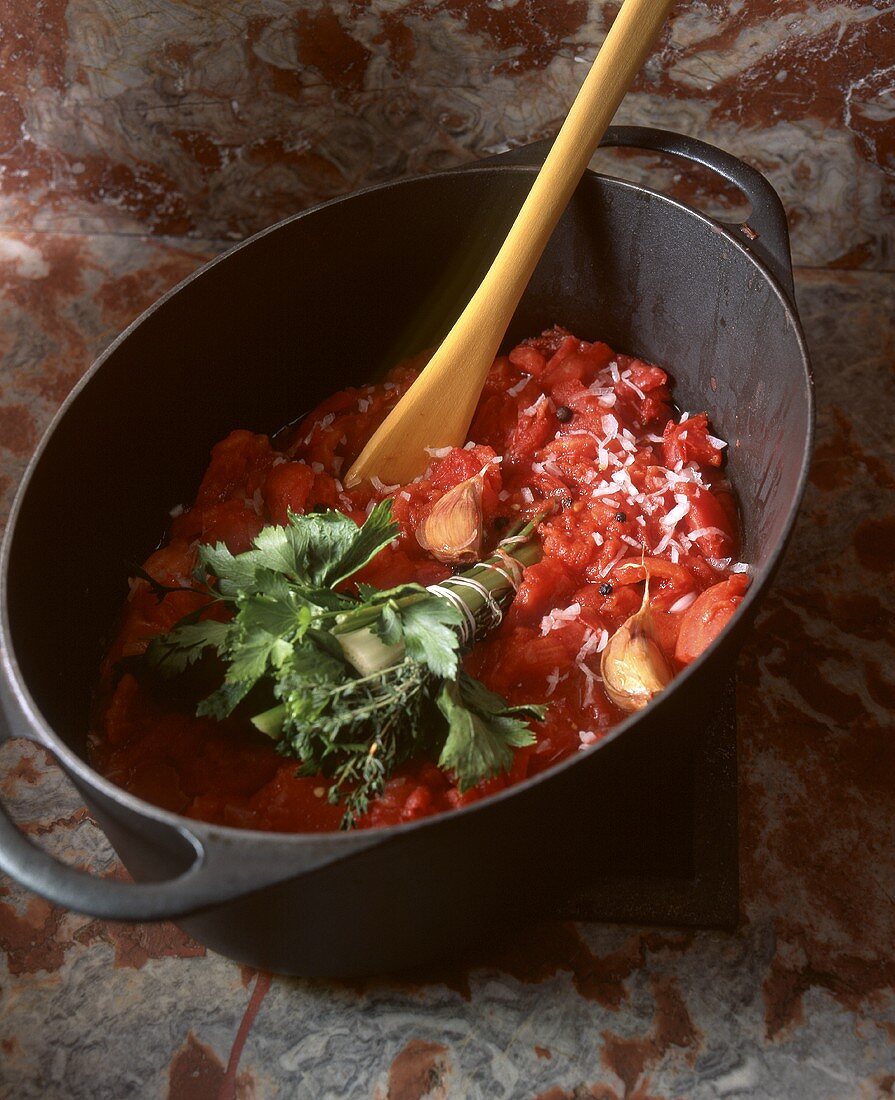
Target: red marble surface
[[216, 120], [133, 139]]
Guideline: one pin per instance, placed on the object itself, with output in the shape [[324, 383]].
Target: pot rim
[[75, 764]]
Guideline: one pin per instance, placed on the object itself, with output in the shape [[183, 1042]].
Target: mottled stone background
[[136, 141], [213, 120]]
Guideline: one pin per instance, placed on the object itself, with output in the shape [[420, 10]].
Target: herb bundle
[[360, 680]]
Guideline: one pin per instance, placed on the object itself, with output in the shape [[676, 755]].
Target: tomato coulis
[[634, 489]]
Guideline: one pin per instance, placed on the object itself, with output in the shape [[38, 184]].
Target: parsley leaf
[[235, 573], [337, 547], [179, 648], [482, 730], [430, 635]]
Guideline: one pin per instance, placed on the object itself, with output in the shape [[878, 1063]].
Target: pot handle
[[765, 234], [108, 899], [215, 875]]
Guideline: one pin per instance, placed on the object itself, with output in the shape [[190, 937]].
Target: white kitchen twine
[[509, 569], [492, 606], [469, 626]]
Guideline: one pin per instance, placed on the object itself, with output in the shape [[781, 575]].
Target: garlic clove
[[452, 531], [633, 667]]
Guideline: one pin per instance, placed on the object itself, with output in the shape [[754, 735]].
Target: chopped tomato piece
[[709, 614]]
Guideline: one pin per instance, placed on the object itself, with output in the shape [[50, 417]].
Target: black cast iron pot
[[262, 334]]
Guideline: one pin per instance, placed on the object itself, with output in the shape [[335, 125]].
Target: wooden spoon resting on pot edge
[[437, 409]]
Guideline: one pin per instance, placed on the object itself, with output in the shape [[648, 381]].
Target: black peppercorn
[[620, 517], [605, 589], [501, 523], [564, 414], [567, 502]]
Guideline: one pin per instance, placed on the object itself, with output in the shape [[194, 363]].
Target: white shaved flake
[[381, 487], [514, 391], [438, 452], [558, 618], [588, 646], [677, 513], [611, 565], [739, 567], [682, 604], [176, 511], [662, 544], [527, 495], [317, 467], [363, 403], [532, 409], [717, 443], [701, 531], [604, 490], [587, 738], [636, 389]]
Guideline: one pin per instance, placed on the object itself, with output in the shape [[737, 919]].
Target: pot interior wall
[[335, 297]]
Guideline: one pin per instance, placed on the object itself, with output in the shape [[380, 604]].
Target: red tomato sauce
[[561, 423]]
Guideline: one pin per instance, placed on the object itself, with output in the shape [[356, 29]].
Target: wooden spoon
[[437, 409]]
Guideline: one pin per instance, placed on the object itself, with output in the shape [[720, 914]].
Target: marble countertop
[[797, 1002], [136, 141]]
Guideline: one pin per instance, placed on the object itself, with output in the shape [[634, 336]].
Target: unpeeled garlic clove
[[633, 667], [452, 531]]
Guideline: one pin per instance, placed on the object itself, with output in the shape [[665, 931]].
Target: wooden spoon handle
[[437, 409]]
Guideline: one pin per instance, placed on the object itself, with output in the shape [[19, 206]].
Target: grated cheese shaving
[[682, 604]]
